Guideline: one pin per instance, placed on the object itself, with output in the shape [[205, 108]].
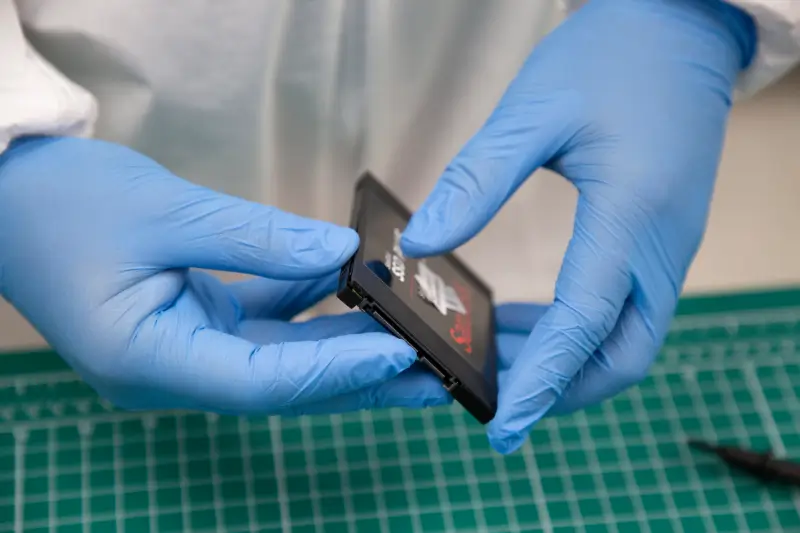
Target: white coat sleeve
[[778, 47], [36, 99]]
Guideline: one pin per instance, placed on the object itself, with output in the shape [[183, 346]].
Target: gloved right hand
[[629, 101], [97, 243]]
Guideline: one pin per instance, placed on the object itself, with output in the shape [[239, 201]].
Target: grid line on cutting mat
[[70, 463]]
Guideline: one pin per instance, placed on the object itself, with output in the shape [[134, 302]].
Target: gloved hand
[[628, 100], [96, 246]]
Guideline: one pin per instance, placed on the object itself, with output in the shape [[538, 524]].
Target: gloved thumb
[[206, 229], [522, 134]]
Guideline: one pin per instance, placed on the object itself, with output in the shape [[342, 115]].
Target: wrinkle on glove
[[98, 250], [629, 101]]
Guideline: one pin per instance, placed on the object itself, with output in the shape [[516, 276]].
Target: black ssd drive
[[436, 304]]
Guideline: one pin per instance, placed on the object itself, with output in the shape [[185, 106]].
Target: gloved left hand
[[98, 246], [628, 100]]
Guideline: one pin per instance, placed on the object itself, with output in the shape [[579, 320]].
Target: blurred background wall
[[751, 240]]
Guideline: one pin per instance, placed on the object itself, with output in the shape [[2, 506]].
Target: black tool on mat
[[762, 465]]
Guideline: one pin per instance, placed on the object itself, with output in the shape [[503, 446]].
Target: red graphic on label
[[461, 332]]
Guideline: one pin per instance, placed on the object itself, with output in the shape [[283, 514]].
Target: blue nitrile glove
[[627, 99], [96, 246]]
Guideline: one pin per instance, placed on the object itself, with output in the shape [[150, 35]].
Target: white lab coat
[[286, 101]]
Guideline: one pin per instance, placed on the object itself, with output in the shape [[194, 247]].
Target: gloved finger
[[317, 328], [621, 361], [214, 231], [514, 323], [518, 317], [509, 347], [625, 357], [281, 299], [591, 290], [523, 133], [414, 388], [212, 371]]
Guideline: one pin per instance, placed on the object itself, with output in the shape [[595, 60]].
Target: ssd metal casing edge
[[360, 287]]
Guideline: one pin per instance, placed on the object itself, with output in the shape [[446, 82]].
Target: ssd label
[[434, 290], [461, 332]]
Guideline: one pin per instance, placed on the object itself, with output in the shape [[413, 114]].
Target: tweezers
[[762, 465]]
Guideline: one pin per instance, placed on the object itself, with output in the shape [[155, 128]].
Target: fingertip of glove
[[412, 241], [508, 433], [413, 248], [423, 235], [414, 388], [505, 442], [324, 249], [419, 243], [429, 391], [341, 242], [508, 446], [395, 351], [424, 400], [445, 398], [299, 248]]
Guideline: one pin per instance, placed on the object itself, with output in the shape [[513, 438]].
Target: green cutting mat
[[730, 371]]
